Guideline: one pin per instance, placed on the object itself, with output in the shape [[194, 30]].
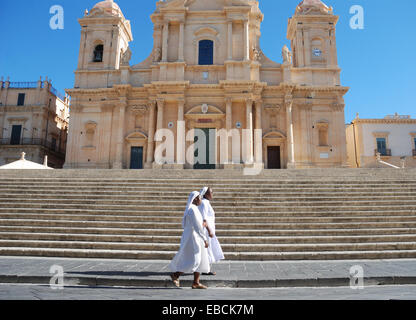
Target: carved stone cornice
[[272, 109], [139, 110]]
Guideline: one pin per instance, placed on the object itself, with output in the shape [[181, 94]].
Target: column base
[[233, 166], [157, 166], [148, 165], [173, 166], [291, 165], [117, 166]]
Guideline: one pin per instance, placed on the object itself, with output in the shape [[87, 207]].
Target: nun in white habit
[[215, 252], [193, 253]]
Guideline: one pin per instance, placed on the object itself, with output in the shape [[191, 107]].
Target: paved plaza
[[31, 278], [44, 292]]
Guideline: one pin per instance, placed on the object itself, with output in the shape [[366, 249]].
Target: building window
[[206, 52], [98, 53], [414, 146], [382, 146], [21, 99], [16, 135]]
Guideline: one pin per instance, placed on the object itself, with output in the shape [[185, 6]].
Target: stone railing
[[383, 153], [402, 162], [35, 142], [24, 85]]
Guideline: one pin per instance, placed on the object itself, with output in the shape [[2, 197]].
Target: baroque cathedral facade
[[207, 74]]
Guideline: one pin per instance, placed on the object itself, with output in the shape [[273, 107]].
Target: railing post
[[403, 162]]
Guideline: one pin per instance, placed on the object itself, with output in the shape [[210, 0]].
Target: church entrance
[[207, 162], [273, 158], [136, 160]]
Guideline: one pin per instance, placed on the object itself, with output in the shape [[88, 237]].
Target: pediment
[[274, 135], [206, 30], [136, 135]]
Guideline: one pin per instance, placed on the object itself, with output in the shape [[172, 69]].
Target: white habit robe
[[192, 256], [215, 252]]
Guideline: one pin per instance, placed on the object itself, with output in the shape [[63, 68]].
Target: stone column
[[228, 126], [246, 41], [180, 135], [165, 42], [290, 140], [160, 111], [258, 126], [151, 135], [230, 40], [249, 128], [181, 41], [118, 164]]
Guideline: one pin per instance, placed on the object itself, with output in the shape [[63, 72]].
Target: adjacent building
[[394, 137], [34, 119]]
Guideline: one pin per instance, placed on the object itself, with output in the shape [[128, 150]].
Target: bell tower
[[105, 37], [312, 34]]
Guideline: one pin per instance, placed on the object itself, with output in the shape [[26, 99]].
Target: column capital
[[160, 102], [249, 101], [228, 100]]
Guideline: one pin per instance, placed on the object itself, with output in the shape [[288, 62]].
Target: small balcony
[[35, 142], [383, 152]]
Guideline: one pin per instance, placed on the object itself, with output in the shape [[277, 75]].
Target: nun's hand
[[206, 244], [211, 235]]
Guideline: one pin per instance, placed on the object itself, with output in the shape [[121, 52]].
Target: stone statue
[[157, 55], [287, 55], [125, 57], [256, 54]]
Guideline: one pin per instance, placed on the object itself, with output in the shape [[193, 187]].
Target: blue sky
[[378, 63]]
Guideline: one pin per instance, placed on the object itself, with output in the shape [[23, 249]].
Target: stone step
[[226, 233], [218, 185], [218, 200], [228, 248], [220, 219], [382, 212], [173, 195], [223, 240], [225, 227], [278, 207], [167, 255]]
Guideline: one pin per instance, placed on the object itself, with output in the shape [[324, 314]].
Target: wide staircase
[[277, 215]]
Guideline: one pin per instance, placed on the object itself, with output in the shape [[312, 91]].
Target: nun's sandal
[[175, 281]]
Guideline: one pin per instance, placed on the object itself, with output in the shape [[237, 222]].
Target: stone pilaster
[[151, 135]]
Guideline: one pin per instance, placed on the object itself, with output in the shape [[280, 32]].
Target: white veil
[[203, 191], [191, 199]]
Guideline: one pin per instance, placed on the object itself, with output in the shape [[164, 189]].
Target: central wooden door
[[136, 160], [273, 158], [209, 147]]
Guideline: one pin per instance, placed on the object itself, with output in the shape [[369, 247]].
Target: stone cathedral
[[207, 73]]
